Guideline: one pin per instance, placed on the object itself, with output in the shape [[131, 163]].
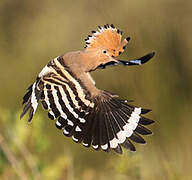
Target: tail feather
[[145, 111], [128, 145], [96, 133], [104, 137], [118, 149], [85, 136], [137, 138], [118, 124], [109, 129], [142, 130], [145, 121], [87, 132]]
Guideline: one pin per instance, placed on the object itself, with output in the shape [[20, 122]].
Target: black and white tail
[[113, 123], [103, 122]]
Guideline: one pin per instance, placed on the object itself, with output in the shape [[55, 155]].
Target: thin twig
[[29, 159]]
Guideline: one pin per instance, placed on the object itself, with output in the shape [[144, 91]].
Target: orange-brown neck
[[80, 63], [86, 61]]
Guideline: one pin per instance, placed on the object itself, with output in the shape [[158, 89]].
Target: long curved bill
[[138, 61]]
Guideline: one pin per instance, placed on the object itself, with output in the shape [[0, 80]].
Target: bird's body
[[92, 116]]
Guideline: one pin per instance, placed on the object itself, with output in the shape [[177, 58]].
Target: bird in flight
[[89, 115]]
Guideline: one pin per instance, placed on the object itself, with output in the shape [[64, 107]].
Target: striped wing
[[103, 122]]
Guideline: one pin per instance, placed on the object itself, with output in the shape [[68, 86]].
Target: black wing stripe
[[68, 103], [70, 90], [71, 99], [52, 104], [64, 105], [71, 93], [57, 69], [72, 116], [57, 100], [61, 123], [81, 106], [68, 98], [44, 104], [68, 130]]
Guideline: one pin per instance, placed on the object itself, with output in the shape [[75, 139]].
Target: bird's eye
[[104, 51]]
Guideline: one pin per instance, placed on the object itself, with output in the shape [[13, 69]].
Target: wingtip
[[118, 150]]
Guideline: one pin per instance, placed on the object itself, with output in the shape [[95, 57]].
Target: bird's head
[[104, 45]]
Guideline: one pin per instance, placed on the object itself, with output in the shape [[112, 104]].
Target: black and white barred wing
[[60, 93], [103, 122]]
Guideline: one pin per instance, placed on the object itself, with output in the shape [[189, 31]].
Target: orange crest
[[107, 38]]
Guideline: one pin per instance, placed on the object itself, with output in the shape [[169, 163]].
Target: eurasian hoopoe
[[89, 115]]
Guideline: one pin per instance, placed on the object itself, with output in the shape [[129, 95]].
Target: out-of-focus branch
[[12, 159], [29, 159]]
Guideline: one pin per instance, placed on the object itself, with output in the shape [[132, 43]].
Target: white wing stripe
[[56, 100], [65, 100], [34, 102]]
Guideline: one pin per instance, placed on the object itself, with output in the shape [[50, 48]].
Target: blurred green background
[[34, 32]]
